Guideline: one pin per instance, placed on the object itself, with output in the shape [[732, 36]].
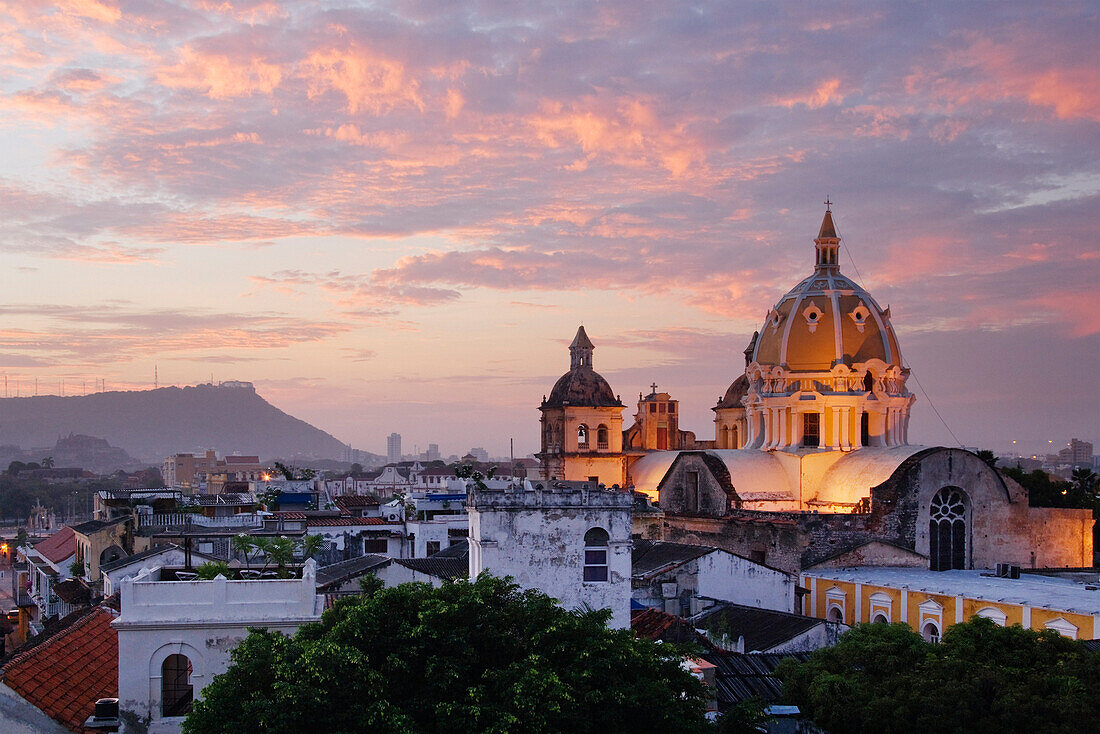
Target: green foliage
[[477, 656], [742, 718], [1043, 491], [988, 457], [210, 569], [981, 678], [76, 570], [356, 470], [466, 471], [293, 473]]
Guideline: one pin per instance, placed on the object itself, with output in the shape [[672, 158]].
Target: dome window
[[775, 319], [860, 314], [813, 316]]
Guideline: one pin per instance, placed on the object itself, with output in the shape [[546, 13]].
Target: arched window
[[865, 430], [947, 530], [835, 615], [868, 382], [879, 618], [582, 437], [176, 691], [733, 438], [595, 555], [601, 437], [930, 632]]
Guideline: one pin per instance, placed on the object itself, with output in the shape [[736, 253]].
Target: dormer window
[[813, 316], [859, 315]]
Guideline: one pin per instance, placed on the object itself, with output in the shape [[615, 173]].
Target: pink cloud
[[218, 76], [369, 81]]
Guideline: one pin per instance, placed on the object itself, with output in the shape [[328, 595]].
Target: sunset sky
[[392, 216]]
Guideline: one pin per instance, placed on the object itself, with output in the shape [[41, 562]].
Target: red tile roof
[[657, 625], [58, 546], [66, 674]]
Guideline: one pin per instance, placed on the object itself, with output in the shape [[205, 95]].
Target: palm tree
[[281, 550], [311, 545], [47, 463], [245, 544], [1085, 480]]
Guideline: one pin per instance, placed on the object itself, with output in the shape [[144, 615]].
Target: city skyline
[[394, 219]]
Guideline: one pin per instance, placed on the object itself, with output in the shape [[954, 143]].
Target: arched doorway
[[930, 632], [947, 533]]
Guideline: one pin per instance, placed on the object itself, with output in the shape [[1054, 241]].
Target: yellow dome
[[826, 319]]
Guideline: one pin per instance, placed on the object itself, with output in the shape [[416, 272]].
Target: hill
[[151, 424]]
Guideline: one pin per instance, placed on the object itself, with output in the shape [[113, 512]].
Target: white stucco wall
[[727, 577], [537, 538], [203, 620]]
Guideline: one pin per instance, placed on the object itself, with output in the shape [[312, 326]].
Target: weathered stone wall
[[715, 497], [777, 542]]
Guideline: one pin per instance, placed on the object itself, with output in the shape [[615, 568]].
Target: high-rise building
[[433, 452], [1077, 452], [393, 448]]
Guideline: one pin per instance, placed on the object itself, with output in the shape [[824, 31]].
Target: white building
[[684, 579], [570, 540], [175, 636], [393, 448]]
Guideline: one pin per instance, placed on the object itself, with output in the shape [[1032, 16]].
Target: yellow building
[[931, 601], [582, 423]]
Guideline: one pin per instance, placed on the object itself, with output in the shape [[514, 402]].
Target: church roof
[[775, 475], [582, 387], [827, 231], [737, 390], [581, 340], [825, 320]]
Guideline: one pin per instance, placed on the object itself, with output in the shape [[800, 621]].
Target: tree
[[247, 546], [292, 473], [987, 456], [480, 656], [1084, 480], [356, 469], [981, 678], [209, 570], [47, 463]]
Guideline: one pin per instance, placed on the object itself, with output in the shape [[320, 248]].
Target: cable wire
[[924, 392]]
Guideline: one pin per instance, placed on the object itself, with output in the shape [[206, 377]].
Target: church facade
[[810, 457]]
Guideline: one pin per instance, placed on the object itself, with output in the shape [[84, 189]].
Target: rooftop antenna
[[36, 387], [156, 378]]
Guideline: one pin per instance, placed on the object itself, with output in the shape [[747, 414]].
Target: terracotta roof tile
[[65, 675], [58, 546]]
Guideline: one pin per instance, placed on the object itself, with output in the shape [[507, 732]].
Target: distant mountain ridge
[[152, 424]]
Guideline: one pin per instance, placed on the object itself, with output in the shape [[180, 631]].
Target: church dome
[[827, 319], [736, 391], [582, 386]]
